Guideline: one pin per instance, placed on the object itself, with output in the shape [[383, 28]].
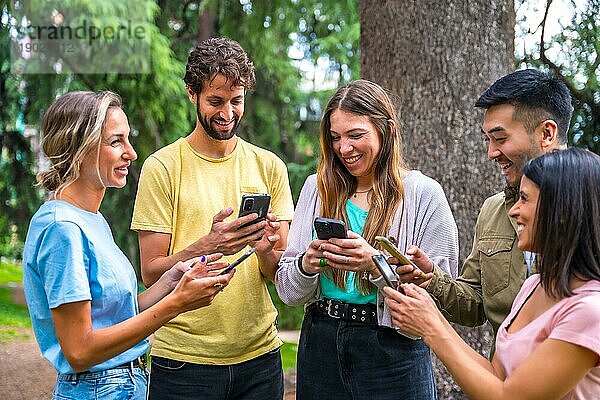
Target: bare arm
[[224, 237], [84, 346], [557, 366]]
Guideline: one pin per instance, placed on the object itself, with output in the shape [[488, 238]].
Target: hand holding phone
[[254, 203], [388, 246], [238, 261], [385, 270], [328, 228]]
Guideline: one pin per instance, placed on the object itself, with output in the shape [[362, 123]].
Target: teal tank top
[[356, 219]]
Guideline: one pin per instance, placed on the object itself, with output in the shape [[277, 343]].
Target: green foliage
[[19, 197], [574, 54]]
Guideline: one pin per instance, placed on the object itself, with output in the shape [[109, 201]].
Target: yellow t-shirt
[[179, 193]]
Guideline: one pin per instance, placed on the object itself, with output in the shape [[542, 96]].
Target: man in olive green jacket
[[527, 114]]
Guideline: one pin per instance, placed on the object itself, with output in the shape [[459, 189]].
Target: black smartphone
[[328, 228], [385, 270], [238, 261], [254, 203]]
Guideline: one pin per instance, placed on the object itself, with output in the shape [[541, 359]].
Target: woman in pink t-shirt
[[549, 345]]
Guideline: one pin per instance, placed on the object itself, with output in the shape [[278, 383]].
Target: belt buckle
[[142, 362], [330, 310]]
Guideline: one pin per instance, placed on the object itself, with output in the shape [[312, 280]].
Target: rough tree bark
[[438, 56]]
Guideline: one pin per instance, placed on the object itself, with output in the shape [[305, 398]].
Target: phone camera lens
[[248, 204]]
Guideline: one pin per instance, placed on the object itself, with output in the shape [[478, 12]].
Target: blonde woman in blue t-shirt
[[88, 318], [348, 348]]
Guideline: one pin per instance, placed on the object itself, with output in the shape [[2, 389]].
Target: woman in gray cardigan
[[348, 348]]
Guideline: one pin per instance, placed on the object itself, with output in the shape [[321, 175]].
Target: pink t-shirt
[[575, 319]]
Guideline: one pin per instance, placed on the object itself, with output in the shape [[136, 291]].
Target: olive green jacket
[[492, 274]]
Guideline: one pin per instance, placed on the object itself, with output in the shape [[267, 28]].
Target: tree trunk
[[438, 56]]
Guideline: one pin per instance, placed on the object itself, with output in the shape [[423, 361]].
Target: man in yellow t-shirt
[[187, 192]]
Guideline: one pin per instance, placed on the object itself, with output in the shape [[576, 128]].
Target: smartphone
[[385, 270], [388, 246], [254, 203], [238, 261], [327, 228]]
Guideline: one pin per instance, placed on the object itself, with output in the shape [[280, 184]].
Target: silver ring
[[346, 260], [219, 285]]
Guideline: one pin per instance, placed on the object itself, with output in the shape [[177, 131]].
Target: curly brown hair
[[215, 56]]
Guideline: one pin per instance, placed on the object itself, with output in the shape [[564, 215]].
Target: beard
[[207, 125]]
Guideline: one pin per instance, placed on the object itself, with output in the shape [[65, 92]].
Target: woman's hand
[[414, 311], [200, 283], [313, 261], [350, 254], [172, 276]]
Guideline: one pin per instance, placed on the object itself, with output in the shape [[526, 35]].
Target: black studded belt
[[365, 313]]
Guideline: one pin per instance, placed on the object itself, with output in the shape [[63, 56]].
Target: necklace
[[361, 191]]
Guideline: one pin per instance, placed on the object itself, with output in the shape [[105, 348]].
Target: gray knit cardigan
[[423, 219]]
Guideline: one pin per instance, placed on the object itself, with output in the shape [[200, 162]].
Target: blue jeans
[[112, 384], [340, 359], [260, 378]]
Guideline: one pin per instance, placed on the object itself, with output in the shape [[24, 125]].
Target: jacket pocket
[[494, 261]]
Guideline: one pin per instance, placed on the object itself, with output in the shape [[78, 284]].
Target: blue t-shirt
[[356, 220], [70, 255]]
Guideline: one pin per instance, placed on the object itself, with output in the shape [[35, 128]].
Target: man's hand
[[270, 236], [229, 237]]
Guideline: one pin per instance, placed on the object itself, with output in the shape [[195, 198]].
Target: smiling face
[[219, 107], [356, 142], [524, 211], [508, 142], [109, 167]]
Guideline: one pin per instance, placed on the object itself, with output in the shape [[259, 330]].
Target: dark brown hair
[[567, 223], [219, 56]]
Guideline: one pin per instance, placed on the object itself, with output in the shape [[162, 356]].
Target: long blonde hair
[[72, 127], [336, 184]]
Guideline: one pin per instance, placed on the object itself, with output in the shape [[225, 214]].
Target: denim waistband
[[101, 374]]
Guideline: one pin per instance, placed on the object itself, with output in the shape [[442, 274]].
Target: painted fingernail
[[202, 258]]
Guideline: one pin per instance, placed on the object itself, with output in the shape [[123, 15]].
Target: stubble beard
[[206, 125]]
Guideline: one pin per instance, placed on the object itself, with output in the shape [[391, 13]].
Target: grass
[[288, 355], [12, 316], [10, 273]]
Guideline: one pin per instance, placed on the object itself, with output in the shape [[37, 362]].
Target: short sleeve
[[281, 195], [62, 261], [579, 323], [153, 209]]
